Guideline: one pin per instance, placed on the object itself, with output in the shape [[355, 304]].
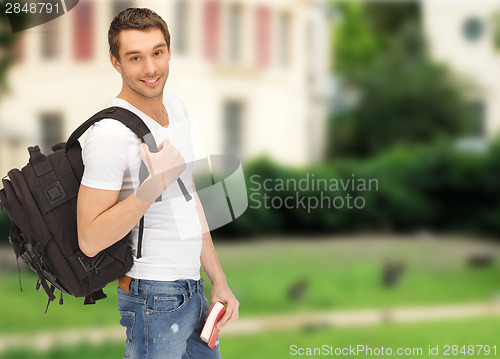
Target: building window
[[234, 32], [180, 35], [262, 36], [50, 44], [51, 128], [233, 120], [284, 30], [117, 6], [83, 31], [473, 29], [211, 16]]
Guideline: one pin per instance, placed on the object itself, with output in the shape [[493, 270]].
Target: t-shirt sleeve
[[105, 155]]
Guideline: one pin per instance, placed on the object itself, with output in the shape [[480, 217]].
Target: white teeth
[[151, 81]]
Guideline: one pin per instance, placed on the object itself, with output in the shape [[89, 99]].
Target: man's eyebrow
[[161, 44], [134, 52]]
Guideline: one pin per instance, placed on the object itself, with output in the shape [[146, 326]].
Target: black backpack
[[41, 199]]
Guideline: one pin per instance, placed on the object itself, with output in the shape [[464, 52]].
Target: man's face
[[144, 60]]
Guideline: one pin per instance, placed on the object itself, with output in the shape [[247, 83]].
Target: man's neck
[[153, 107]]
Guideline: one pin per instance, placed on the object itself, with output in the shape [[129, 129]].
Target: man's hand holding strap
[[164, 167]]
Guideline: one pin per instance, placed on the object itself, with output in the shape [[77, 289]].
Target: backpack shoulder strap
[[128, 118]]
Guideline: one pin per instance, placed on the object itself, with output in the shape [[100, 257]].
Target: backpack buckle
[[54, 193], [89, 265], [85, 264]]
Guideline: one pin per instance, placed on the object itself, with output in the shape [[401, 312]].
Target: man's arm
[[102, 221], [211, 266]]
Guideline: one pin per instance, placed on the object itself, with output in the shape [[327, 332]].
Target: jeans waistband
[[188, 286]]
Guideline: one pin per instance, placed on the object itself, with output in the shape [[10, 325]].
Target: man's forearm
[[109, 226], [210, 262], [211, 266]]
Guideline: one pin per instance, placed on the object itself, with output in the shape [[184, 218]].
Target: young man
[[161, 299]]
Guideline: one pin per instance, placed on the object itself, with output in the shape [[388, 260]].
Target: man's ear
[[116, 63]]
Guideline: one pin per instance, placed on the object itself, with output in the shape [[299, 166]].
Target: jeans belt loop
[[189, 287], [136, 286]]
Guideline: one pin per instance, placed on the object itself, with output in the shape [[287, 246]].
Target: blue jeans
[[164, 320]]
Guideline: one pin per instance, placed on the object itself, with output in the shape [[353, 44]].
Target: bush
[[438, 187]]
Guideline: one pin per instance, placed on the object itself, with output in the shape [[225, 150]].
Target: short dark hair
[[135, 18]]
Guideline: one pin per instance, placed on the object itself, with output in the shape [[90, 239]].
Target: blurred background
[[368, 133]]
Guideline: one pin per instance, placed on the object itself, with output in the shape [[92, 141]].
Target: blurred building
[[253, 74], [466, 36]]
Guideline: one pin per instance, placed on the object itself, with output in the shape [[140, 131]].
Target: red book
[[210, 331]]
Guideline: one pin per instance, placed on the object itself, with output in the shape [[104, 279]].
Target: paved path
[[48, 340]]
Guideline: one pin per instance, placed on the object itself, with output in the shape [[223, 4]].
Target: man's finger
[[226, 318], [222, 320]]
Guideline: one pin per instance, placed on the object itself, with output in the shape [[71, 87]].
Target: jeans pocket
[[127, 321], [167, 305]]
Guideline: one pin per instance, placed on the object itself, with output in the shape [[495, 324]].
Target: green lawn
[[340, 274], [277, 345], [347, 274]]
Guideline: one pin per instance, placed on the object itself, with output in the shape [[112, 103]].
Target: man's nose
[[149, 66]]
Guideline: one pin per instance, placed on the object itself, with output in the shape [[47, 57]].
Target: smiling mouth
[[151, 82]]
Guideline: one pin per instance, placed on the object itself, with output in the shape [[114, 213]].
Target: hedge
[[437, 187]]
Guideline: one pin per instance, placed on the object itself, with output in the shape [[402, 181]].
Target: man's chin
[[150, 94], [156, 95]]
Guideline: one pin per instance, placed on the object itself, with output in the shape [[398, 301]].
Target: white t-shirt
[[172, 240]]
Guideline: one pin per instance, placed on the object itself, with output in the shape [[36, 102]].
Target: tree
[[404, 97], [355, 46]]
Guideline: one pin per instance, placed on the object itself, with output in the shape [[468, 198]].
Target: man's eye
[[158, 53], [135, 58]]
